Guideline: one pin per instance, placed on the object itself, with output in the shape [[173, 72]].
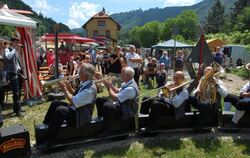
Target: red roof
[[67, 37]]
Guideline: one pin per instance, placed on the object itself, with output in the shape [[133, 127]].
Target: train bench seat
[[243, 123], [88, 131]]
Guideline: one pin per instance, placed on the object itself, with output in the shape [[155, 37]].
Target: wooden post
[[56, 28]]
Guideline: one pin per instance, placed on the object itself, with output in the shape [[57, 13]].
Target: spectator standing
[[161, 76], [13, 68], [134, 60], [92, 53], [105, 62], [151, 71], [165, 59], [179, 61], [219, 57], [116, 61], [71, 67], [50, 57]]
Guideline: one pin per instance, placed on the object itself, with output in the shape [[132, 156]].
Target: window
[[107, 33], [101, 23], [95, 33]]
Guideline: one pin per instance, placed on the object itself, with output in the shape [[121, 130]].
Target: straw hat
[[248, 66]]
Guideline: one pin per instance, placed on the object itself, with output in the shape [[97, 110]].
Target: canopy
[[8, 17], [67, 37], [216, 42], [172, 44]]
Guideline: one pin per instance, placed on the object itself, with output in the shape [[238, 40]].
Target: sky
[[75, 13]]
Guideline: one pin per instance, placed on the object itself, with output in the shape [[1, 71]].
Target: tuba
[[205, 84]]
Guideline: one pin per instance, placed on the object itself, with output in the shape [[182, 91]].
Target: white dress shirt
[[10, 54], [127, 93], [245, 88], [84, 97], [130, 63], [177, 100]]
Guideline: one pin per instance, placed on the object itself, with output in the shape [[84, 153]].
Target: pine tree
[[239, 5], [215, 18]]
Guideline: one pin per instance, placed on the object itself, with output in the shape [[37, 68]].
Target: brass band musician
[[243, 104], [207, 95], [123, 103], [80, 108], [162, 106]]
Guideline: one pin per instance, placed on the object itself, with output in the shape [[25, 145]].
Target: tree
[[243, 20], [7, 30], [185, 24], [215, 19], [150, 33], [239, 5]]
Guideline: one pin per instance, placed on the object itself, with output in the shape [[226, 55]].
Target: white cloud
[[42, 6], [169, 3], [80, 13]]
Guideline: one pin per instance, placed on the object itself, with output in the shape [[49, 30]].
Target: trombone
[[166, 90]]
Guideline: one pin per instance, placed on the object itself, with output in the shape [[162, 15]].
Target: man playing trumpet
[[80, 108], [162, 106], [123, 103], [207, 95]]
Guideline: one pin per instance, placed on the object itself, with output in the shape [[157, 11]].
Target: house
[[102, 25]]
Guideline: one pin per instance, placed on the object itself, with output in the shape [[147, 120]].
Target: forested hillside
[[139, 17], [45, 24]]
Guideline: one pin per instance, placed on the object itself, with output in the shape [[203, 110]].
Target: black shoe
[[19, 114]]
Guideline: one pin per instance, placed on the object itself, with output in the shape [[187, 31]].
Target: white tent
[[8, 17]]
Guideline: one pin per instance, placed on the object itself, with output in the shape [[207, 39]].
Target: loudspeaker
[[14, 142]]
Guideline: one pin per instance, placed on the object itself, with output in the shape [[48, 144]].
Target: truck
[[235, 53]]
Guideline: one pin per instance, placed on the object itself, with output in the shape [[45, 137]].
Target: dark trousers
[[99, 105], [108, 110], [233, 99], [137, 75], [204, 109], [14, 85], [146, 105], [243, 105], [160, 108], [55, 116]]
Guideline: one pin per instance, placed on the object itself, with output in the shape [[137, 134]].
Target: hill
[[139, 17], [45, 24]]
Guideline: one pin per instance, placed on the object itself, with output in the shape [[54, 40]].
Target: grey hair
[[89, 70], [129, 71], [132, 46]]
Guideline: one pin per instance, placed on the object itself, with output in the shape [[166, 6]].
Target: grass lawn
[[154, 147], [180, 148]]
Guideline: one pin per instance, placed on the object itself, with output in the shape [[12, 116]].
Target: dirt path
[[233, 82]]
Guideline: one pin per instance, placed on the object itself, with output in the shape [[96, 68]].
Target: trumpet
[[166, 90], [70, 79], [52, 82]]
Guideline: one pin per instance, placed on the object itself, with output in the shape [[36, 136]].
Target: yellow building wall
[[110, 25]]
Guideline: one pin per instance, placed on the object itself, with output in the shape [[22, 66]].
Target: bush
[[240, 72]]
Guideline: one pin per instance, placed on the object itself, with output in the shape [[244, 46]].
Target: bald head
[[178, 77], [207, 70]]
